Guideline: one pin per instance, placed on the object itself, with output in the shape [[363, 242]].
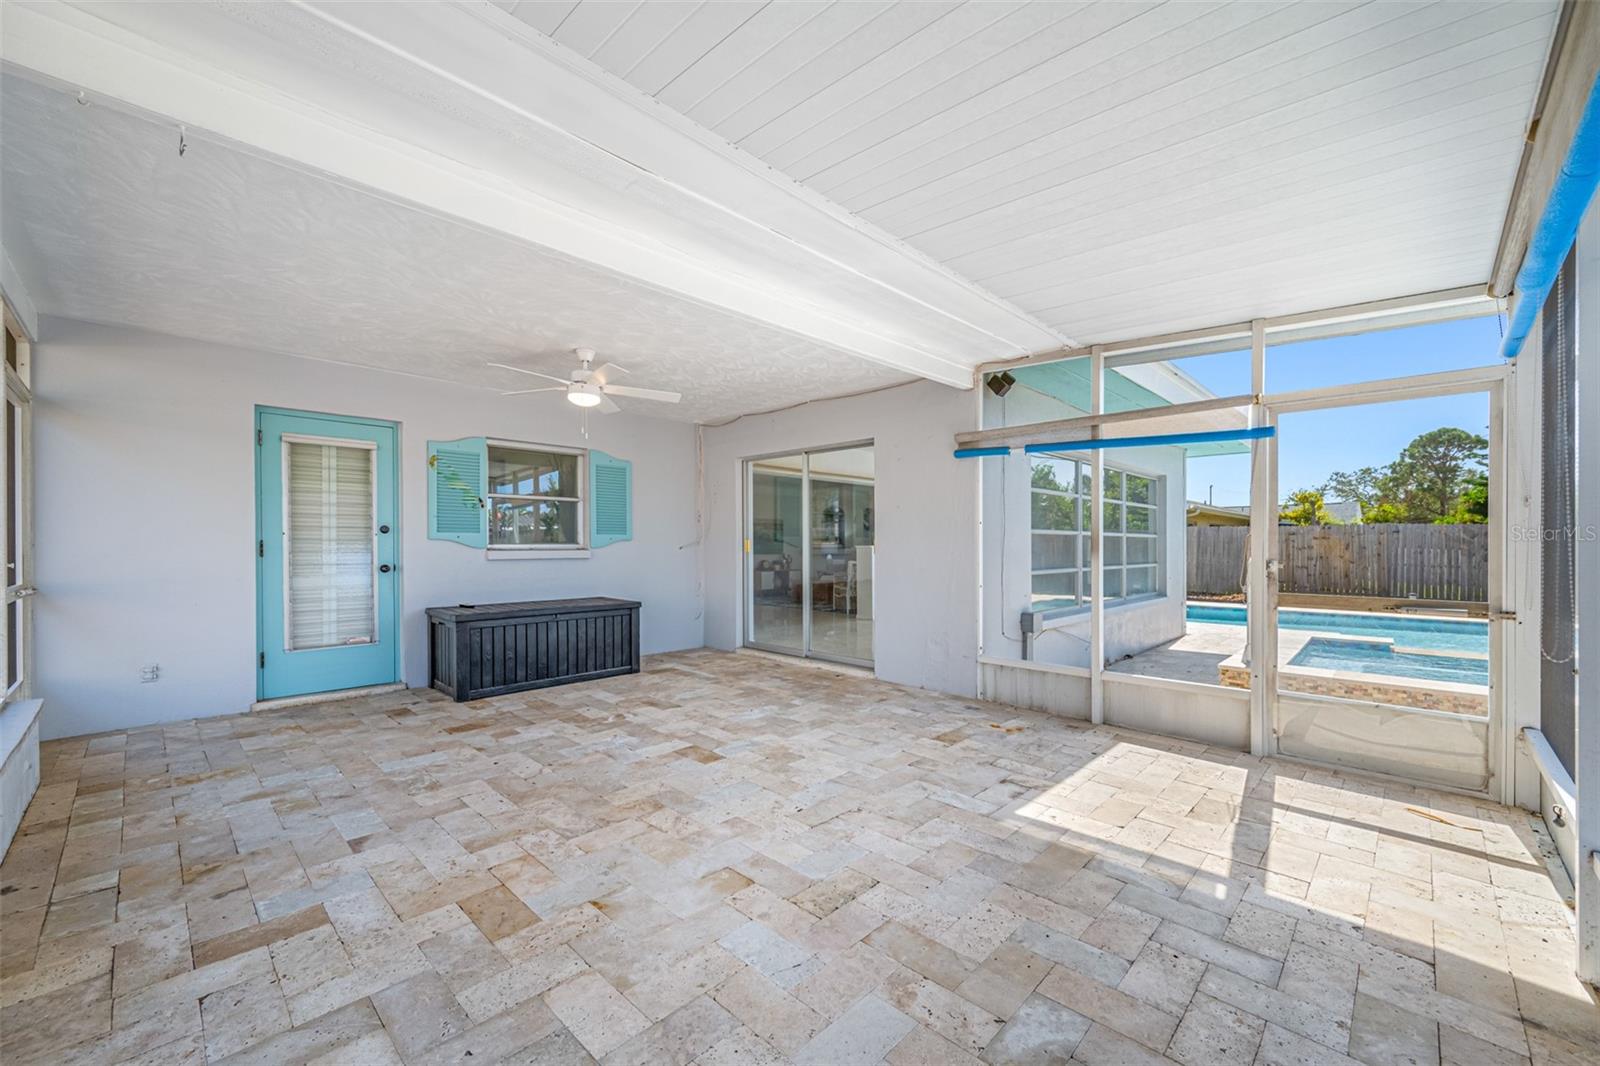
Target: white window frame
[[1080, 495], [567, 549], [19, 587]]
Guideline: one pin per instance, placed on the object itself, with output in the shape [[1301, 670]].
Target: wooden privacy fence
[[1388, 560]]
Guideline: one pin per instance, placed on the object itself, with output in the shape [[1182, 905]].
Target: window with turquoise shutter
[[611, 499], [458, 483]]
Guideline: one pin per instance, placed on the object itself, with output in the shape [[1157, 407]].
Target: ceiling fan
[[589, 385]]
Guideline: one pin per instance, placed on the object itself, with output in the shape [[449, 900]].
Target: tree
[[1358, 486], [1434, 470], [1434, 479], [1473, 503], [1305, 508]]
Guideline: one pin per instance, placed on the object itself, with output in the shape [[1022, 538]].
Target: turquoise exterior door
[[327, 549]]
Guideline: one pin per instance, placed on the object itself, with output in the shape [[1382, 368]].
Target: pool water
[[1433, 634], [1467, 638], [1381, 659]]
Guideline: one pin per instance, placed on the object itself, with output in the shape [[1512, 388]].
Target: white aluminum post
[[1097, 603], [1586, 576], [806, 606], [1263, 552]]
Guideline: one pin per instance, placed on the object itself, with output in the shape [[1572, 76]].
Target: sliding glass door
[[809, 554]]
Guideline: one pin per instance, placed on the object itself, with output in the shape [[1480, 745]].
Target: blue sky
[[1315, 444]]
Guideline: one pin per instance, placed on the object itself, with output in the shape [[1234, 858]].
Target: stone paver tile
[[36, 1028], [1116, 1010], [1309, 1018], [1459, 1049], [1260, 930], [1104, 1046], [1039, 1033], [844, 978], [332, 1033], [1122, 930], [924, 1047], [596, 1013], [419, 1013], [1005, 980], [1163, 978], [917, 952], [863, 1034], [1280, 1047], [497, 912], [1073, 953], [257, 935], [1242, 961], [742, 1047], [1213, 1032], [559, 1048], [310, 959], [677, 1039], [1381, 1032], [959, 1020], [771, 1013], [244, 1014], [520, 983], [784, 962]]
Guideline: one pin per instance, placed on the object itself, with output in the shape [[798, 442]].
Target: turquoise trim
[[610, 499], [280, 672], [458, 491]]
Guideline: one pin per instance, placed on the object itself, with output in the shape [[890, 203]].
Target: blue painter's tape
[[980, 453], [1558, 226], [1156, 440]]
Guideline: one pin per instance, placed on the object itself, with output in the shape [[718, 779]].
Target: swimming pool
[[1467, 639], [1383, 659], [1433, 634]]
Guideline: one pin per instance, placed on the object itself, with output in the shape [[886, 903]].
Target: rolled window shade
[[329, 554]]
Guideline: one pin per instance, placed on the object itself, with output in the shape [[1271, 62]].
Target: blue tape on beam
[[1558, 226], [1211, 437]]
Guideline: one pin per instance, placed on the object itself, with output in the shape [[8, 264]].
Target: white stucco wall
[[1131, 627], [145, 516], [925, 589]]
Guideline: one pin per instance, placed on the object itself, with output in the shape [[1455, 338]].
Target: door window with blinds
[[330, 581]]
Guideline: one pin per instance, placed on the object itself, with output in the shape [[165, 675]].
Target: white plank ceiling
[[1125, 168]]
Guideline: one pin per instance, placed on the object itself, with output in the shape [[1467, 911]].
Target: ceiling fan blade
[[642, 394], [605, 371], [607, 406], [535, 373], [526, 392]]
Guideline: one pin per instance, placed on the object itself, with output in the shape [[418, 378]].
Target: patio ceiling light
[[584, 393]]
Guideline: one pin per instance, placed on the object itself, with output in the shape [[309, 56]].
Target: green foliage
[[1306, 508], [1438, 477]]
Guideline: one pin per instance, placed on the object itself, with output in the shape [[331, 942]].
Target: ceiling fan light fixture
[[584, 394]]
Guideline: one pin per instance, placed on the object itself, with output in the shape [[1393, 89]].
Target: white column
[[1263, 553], [1586, 768], [1097, 602]]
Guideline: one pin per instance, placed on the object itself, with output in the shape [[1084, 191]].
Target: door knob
[[385, 568]]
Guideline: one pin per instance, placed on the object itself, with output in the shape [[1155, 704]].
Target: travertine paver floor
[[730, 860]]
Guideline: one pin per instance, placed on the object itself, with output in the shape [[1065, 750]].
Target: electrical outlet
[[150, 673]]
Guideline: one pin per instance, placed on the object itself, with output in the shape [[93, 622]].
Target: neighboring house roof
[[1205, 514], [1346, 511]]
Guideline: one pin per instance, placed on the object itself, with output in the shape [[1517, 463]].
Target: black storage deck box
[[492, 648]]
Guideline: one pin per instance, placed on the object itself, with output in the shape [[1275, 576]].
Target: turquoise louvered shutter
[[610, 499], [458, 482]]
